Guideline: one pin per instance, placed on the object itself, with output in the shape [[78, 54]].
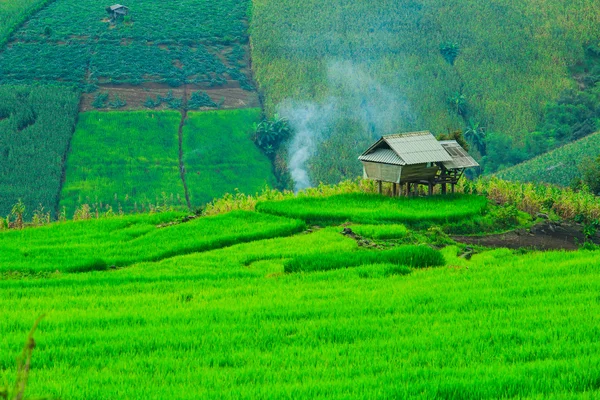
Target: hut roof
[[406, 149], [116, 7], [460, 158]]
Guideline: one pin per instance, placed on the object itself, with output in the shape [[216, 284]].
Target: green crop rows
[[130, 160], [371, 208], [229, 323], [124, 160], [98, 244], [179, 42], [36, 125], [558, 166], [220, 156], [383, 61]]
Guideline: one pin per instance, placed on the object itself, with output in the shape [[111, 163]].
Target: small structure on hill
[[117, 11], [413, 159]]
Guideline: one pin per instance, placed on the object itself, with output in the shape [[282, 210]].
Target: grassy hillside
[[559, 166], [381, 67], [229, 323], [124, 160], [220, 157], [36, 126]]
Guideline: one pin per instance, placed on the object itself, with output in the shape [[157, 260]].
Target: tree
[[590, 174], [270, 133], [449, 50], [475, 133]]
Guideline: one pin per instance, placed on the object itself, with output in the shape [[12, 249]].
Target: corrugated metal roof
[[385, 156], [460, 158], [116, 6], [417, 147]]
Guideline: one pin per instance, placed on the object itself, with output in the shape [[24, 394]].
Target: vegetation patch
[[36, 126], [560, 167], [124, 162], [381, 232], [371, 208], [410, 256], [220, 157], [98, 245]]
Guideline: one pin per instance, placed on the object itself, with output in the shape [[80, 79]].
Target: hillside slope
[[559, 166], [380, 65]]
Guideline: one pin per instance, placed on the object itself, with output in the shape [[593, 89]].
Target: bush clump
[[411, 256]]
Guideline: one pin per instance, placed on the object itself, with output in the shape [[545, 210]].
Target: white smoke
[[309, 121], [353, 94]]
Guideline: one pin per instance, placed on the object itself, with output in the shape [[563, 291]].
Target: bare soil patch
[[544, 236], [135, 96]]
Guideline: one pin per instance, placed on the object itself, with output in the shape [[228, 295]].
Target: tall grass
[[370, 208], [228, 324], [220, 157], [410, 256], [125, 160], [36, 126], [122, 241]]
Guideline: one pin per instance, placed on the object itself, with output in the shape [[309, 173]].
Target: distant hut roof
[[116, 7], [460, 158], [407, 149]]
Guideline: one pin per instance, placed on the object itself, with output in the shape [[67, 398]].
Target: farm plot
[[220, 156], [201, 43], [559, 167], [96, 245], [14, 13], [127, 161], [371, 208], [36, 126], [228, 323]]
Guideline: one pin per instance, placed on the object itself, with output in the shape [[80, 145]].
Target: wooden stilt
[[394, 188], [379, 187], [452, 188], [408, 188], [443, 188], [430, 189]]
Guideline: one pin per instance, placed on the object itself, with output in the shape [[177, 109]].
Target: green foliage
[[590, 173], [85, 49], [100, 100], [269, 134], [96, 245], [200, 99], [372, 208], [500, 325], [560, 166], [14, 13], [381, 232], [449, 51], [36, 125], [117, 103], [127, 161], [411, 256], [513, 61], [219, 155]]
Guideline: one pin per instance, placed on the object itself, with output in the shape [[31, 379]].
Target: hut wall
[[382, 172], [418, 172]]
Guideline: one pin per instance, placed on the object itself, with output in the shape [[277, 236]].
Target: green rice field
[[371, 208], [124, 160], [227, 322], [220, 156]]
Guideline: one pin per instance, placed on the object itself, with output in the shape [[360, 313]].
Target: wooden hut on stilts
[[411, 159]]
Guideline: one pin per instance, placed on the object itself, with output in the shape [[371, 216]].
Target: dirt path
[[180, 133], [545, 236]]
